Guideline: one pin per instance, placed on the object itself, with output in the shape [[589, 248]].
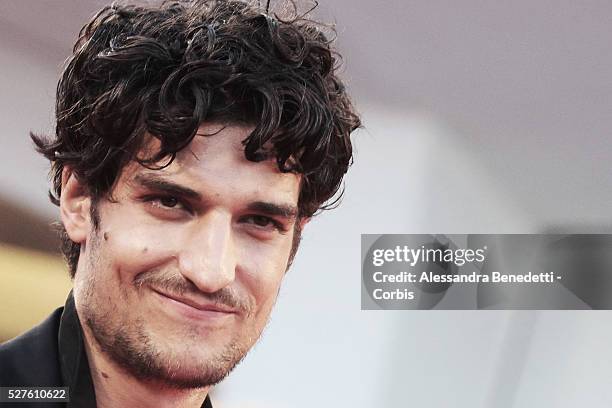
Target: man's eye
[[166, 202], [169, 202], [264, 222], [260, 220]]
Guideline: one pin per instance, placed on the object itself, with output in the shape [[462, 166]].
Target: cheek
[[130, 247], [261, 269]]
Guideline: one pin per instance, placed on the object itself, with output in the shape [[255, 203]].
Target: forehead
[[215, 161]]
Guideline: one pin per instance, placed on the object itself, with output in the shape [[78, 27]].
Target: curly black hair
[[164, 70]]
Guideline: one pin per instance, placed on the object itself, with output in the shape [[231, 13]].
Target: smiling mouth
[[195, 309]]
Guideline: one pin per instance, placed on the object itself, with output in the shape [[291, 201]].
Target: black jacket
[[32, 359], [51, 354]]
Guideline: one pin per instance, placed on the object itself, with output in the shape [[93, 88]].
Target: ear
[[75, 206], [303, 221]]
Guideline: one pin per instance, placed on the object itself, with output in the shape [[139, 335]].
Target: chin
[[183, 369]]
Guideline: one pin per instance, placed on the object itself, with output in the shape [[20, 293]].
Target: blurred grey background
[[480, 117]]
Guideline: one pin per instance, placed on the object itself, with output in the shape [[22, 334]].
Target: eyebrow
[[277, 210], [155, 182]]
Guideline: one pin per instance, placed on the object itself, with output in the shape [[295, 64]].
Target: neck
[[116, 388]]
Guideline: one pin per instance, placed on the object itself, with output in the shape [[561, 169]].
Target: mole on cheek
[[104, 374], [145, 250], [105, 236]]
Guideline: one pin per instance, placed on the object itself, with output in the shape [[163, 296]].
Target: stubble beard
[[131, 346]]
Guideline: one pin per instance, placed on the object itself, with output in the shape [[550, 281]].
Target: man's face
[[179, 279]]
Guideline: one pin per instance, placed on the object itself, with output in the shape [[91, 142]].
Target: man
[[193, 143]]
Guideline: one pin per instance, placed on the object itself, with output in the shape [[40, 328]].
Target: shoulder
[[32, 359]]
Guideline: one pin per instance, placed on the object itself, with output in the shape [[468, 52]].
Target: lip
[[194, 309]]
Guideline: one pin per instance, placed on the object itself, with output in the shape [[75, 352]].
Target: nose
[[208, 257]]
